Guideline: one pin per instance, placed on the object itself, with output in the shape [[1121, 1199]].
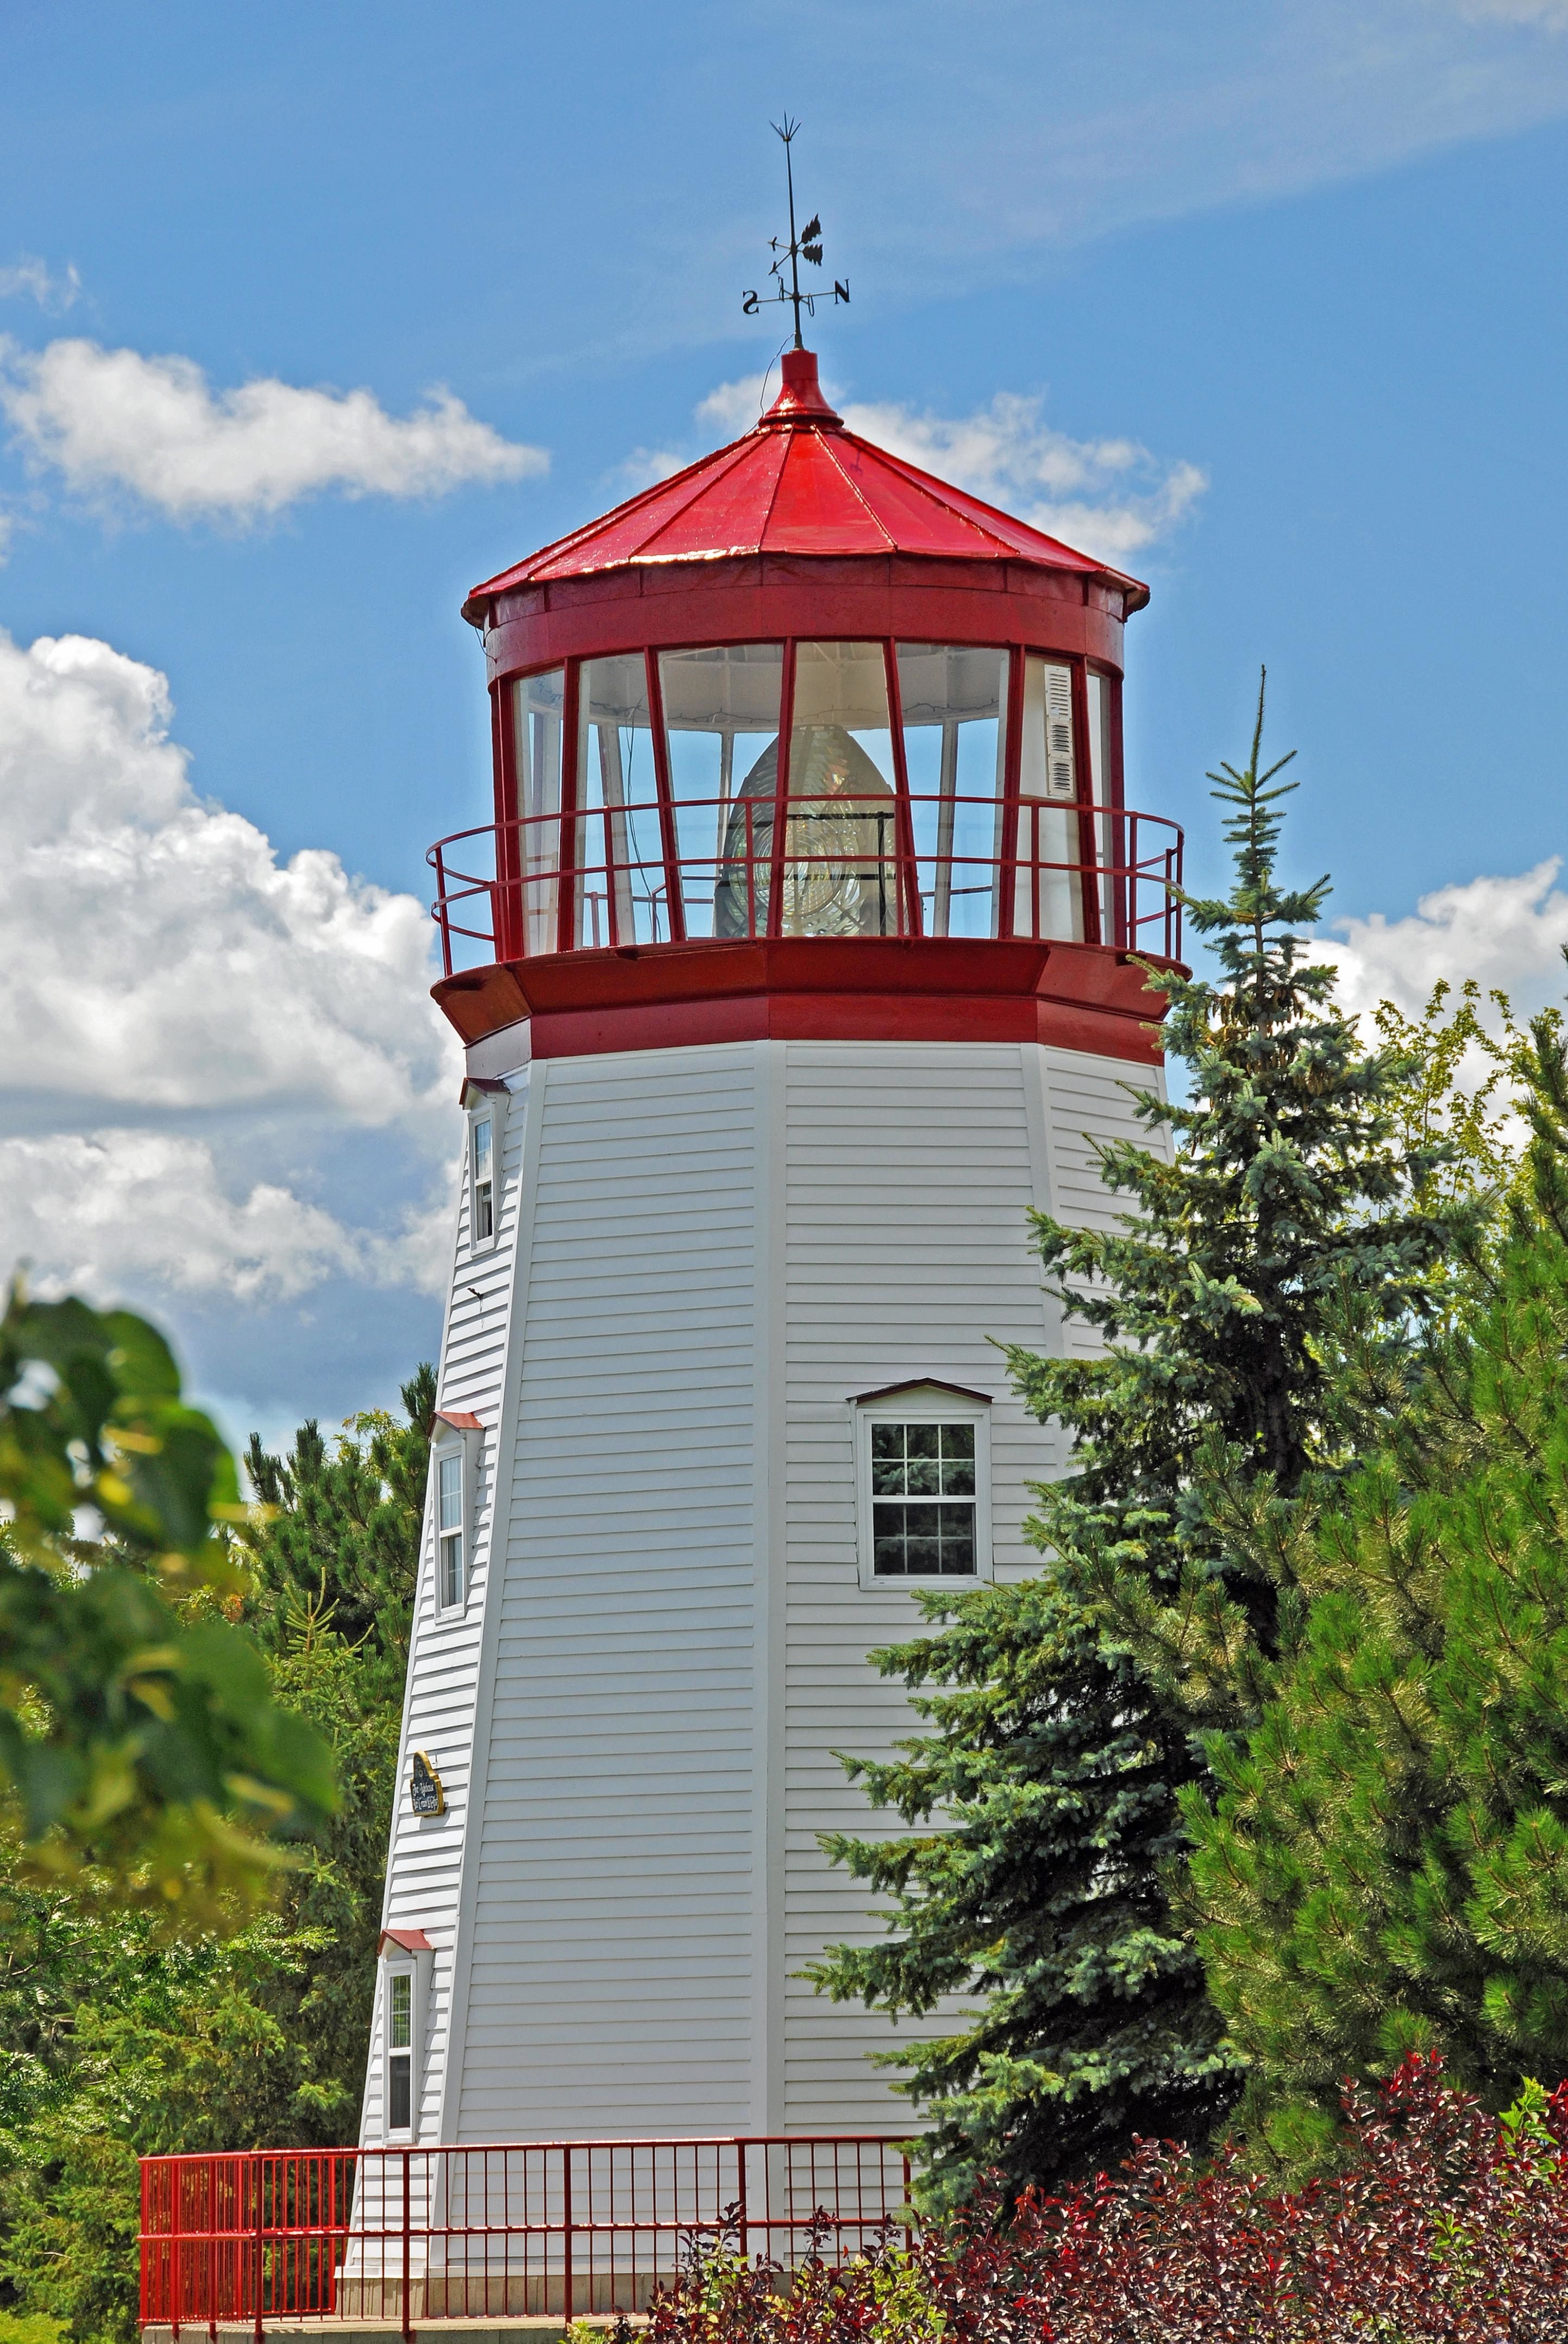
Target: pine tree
[[342, 1549], [1387, 1865], [1062, 1711], [336, 1570]]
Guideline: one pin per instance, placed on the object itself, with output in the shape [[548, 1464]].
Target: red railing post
[[1083, 764], [570, 874], [175, 2272], [144, 2244], [441, 911], [566, 2269], [669, 835], [906, 869], [741, 2193], [209, 2260], [407, 2221], [781, 794], [260, 2248]]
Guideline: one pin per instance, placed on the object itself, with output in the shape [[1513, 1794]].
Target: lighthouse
[[799, 959]]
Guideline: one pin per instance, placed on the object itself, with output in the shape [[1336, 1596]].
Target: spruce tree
[[1387, 1865], [342, 1548], [335, 1571], [1062, 1713]]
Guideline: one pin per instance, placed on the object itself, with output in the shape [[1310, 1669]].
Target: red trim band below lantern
[[1076, 996]]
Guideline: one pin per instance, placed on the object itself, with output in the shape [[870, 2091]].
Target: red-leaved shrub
[[1445, 2223]]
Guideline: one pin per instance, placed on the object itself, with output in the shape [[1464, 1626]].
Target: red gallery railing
[[607, 876], [401, 2237]]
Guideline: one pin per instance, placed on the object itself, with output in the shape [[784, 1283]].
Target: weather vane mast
[[806, 246]]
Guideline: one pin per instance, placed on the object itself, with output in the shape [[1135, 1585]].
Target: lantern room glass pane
[[621, 890], [1109, 835], [538, 701], [722, 724], [1050, 898], [839, 872], [954, 698]]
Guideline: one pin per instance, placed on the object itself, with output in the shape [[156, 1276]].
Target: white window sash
[[914, 1408]]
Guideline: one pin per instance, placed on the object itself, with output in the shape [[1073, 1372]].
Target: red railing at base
[[407, 2237]]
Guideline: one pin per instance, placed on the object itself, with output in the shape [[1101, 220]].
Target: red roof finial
[[801, 399]]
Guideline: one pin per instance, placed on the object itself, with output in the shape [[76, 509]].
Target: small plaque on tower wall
[[426, 1796]]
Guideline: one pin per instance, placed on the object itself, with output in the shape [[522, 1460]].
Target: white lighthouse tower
[[797, 964]]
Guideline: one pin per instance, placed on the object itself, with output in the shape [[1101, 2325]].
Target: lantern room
[[801, 692]]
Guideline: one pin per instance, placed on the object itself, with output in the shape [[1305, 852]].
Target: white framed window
[[399, 2018], [486, 1102], [451, 1527], [403, 1984], [456, 1450], [482, 1159], [923, 1485]]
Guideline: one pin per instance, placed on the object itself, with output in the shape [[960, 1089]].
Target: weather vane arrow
[[806, 246]]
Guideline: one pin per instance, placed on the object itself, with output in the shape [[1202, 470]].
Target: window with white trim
[[482, 1178], [924, 1487], [399, 2024], [923, 1501], [451, 1526]]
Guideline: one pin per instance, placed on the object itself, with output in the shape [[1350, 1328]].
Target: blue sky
[[1270, 302]]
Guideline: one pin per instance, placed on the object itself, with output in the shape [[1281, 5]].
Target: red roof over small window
[[797, 483]]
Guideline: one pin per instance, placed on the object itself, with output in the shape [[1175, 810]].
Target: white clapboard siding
[[1089, 1099], [701, 1255], [424, 1866], [910, 1171], [610, 1957]]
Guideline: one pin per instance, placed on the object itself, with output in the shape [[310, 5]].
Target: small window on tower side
[[450, 1527], [400, 2051], [923, 1472], [483, 1181], [923, 1501]]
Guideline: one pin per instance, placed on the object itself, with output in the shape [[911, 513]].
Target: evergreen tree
[[1387, 1865], [342, 1551], [1061, 1712]]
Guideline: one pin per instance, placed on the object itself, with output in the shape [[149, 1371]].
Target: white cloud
[[113, 419], [98, 1209], [164, 979], [154, 949], [1109, 498], [645, 466], [734, 407], [37, 279], [1506, 933]]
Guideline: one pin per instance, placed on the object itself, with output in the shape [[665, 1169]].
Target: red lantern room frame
[[803, 532]]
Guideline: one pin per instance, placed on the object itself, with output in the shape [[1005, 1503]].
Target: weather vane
[[806, 246]]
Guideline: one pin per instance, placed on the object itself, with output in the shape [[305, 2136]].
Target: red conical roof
[[797, 483]]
